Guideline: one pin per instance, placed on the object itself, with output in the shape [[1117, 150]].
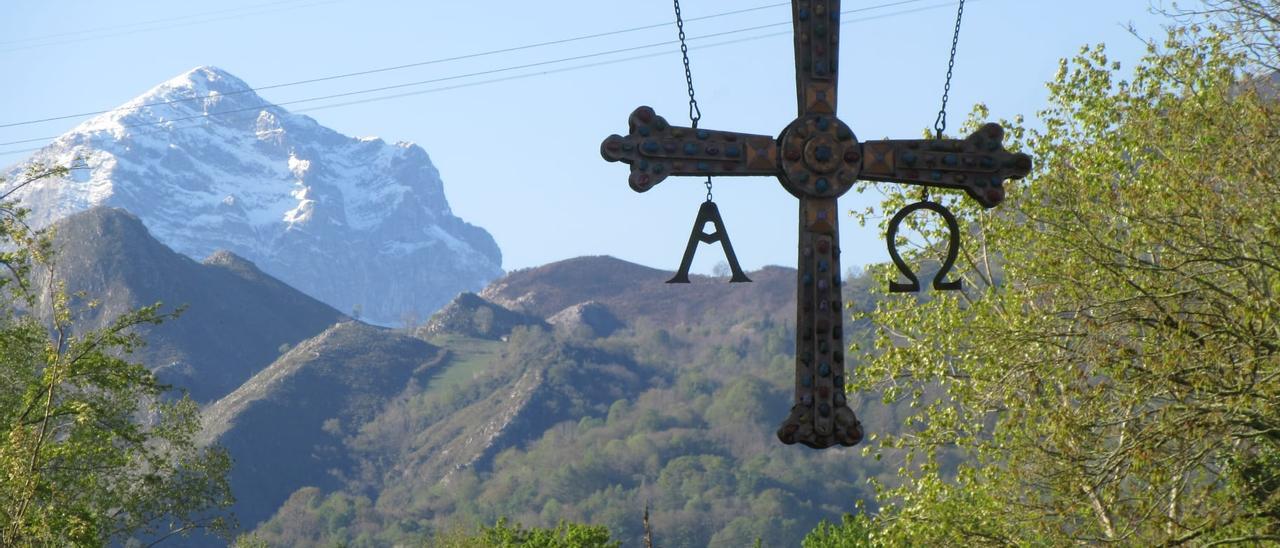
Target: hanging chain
[[695, 113], [941, 123]]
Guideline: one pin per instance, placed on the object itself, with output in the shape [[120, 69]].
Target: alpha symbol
[[708, 213]]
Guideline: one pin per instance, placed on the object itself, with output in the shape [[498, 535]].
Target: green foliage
[[851, 532], [679, 419], [90, 454], [1112, 373], [505, 535]]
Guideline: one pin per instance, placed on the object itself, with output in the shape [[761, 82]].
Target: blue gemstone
[[950, 160], [804, 14], [822, 185], [732, 151], [937, 175], [835, 15], [909, 158], [690, 148], [822, 153], [806, 381], [657, 168], [644, 164], [652, 147], [808, 279], [703, 166], [988, 162], [643, 130], [822, 266], [823, 123], [703, 134], [824, 369], [824, 409]]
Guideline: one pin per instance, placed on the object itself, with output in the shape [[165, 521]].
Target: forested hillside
[[558, 424]]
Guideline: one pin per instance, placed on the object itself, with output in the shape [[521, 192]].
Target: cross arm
[[817, 47], [978, 164], [655, 150]]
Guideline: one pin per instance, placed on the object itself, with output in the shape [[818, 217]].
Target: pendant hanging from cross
[[817, 158]]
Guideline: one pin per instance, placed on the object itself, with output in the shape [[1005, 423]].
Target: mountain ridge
[[237, 319], [207, 164]]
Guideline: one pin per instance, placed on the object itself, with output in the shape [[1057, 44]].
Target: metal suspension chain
[[940, 124], [695, 113]]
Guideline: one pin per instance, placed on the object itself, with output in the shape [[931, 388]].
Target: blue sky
[[520, 157]]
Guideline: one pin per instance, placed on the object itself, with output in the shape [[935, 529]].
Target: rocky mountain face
[[580, 390], [470, 315], [237, 319], [207, 164], [285, 426]]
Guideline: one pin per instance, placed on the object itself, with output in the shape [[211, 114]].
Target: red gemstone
[[995, 195], [793, 154], [852, 155], [645, 114]]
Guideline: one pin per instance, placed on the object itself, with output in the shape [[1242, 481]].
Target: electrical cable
[[168, 27], [481, 82], [448, 59]]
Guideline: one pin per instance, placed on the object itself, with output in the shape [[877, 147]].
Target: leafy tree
[[851, 532], [1112, 373], [503, 534], [1253, 25], [90, 453]]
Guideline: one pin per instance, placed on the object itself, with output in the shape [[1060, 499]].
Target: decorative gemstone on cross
[[817, 159]]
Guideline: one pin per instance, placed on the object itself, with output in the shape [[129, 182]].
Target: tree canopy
[[91, 454], [1111, 373]]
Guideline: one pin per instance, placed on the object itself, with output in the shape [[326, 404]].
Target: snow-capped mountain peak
[[208, 164]]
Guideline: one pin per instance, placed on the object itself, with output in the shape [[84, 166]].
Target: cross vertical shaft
[[821, 416]]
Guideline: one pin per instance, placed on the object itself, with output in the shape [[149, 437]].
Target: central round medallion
[[820, 157]]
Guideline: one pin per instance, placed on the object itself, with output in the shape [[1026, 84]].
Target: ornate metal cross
[[817, 159]]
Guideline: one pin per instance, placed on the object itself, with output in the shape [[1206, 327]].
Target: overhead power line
[[236, 13], [487, 72], [454, 58]]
